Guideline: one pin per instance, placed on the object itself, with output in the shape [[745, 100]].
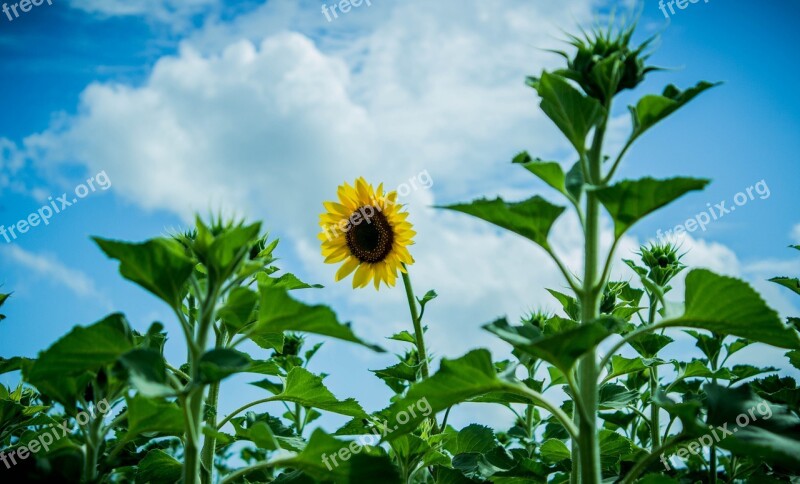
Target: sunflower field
[[590, 392]]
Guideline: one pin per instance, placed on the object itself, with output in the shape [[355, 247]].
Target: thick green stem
[[418, 333], [210, 443], [588, 443]]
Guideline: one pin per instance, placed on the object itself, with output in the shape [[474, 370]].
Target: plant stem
[[418, 333], [655, 417], [588, 443]]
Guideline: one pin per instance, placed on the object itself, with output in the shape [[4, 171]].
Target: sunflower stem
[[418, 333]]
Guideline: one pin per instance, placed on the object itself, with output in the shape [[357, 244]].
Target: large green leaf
[[81, 351], [757, 428], [562, 349], [239, 309], [280, 312], [573, 113], [158, 265], [307, 389], [532, 218], [654, 108], [631, 200], [729, 306]]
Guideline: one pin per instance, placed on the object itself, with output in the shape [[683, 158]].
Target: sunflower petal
[[362, 276], [349, 266]]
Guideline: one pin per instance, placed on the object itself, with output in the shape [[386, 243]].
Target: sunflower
[[367, 230]]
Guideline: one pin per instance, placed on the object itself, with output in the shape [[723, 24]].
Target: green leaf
[[158, 265], [794, 358], [532, 218], [767, 432], [147, 372], [158, 467], [573, 113], [456, 381], [280, 312], [623, 366], [474, 438], [561, 349], [615, 397], [83, 350], [239, 309], [631, 200], [554, 451], [403, 336], [14, 364], [653, 108], [613, 446], [791, 283], [729, 306], [549, 172], [307, 389], [287, 281], [150, 417], [650, 344], [220, 363]]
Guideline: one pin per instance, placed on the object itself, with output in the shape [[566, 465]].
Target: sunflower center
[[371, 240]]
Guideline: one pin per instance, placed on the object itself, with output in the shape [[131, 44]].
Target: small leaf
[[549, 172], [631, 200], [239, 309], [554, 451], [147, 372], [532, 218]]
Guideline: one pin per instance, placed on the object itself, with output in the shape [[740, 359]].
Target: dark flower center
[[663, 261], [371, 239]]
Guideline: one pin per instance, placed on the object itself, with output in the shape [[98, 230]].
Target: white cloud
[[51, 269], [796, 234]]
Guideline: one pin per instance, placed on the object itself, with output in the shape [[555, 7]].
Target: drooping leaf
[[623, 366], [574, 113], [532, 218], [158, 265], [287, 281], [280, 312], [549, 172], [726, 305], [631, 200]]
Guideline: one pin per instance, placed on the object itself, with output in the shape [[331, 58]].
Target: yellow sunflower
[[368, 231]]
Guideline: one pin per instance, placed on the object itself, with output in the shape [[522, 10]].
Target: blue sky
[[261, 109]]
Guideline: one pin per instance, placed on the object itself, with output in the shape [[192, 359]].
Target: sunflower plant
[[592, 394]]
